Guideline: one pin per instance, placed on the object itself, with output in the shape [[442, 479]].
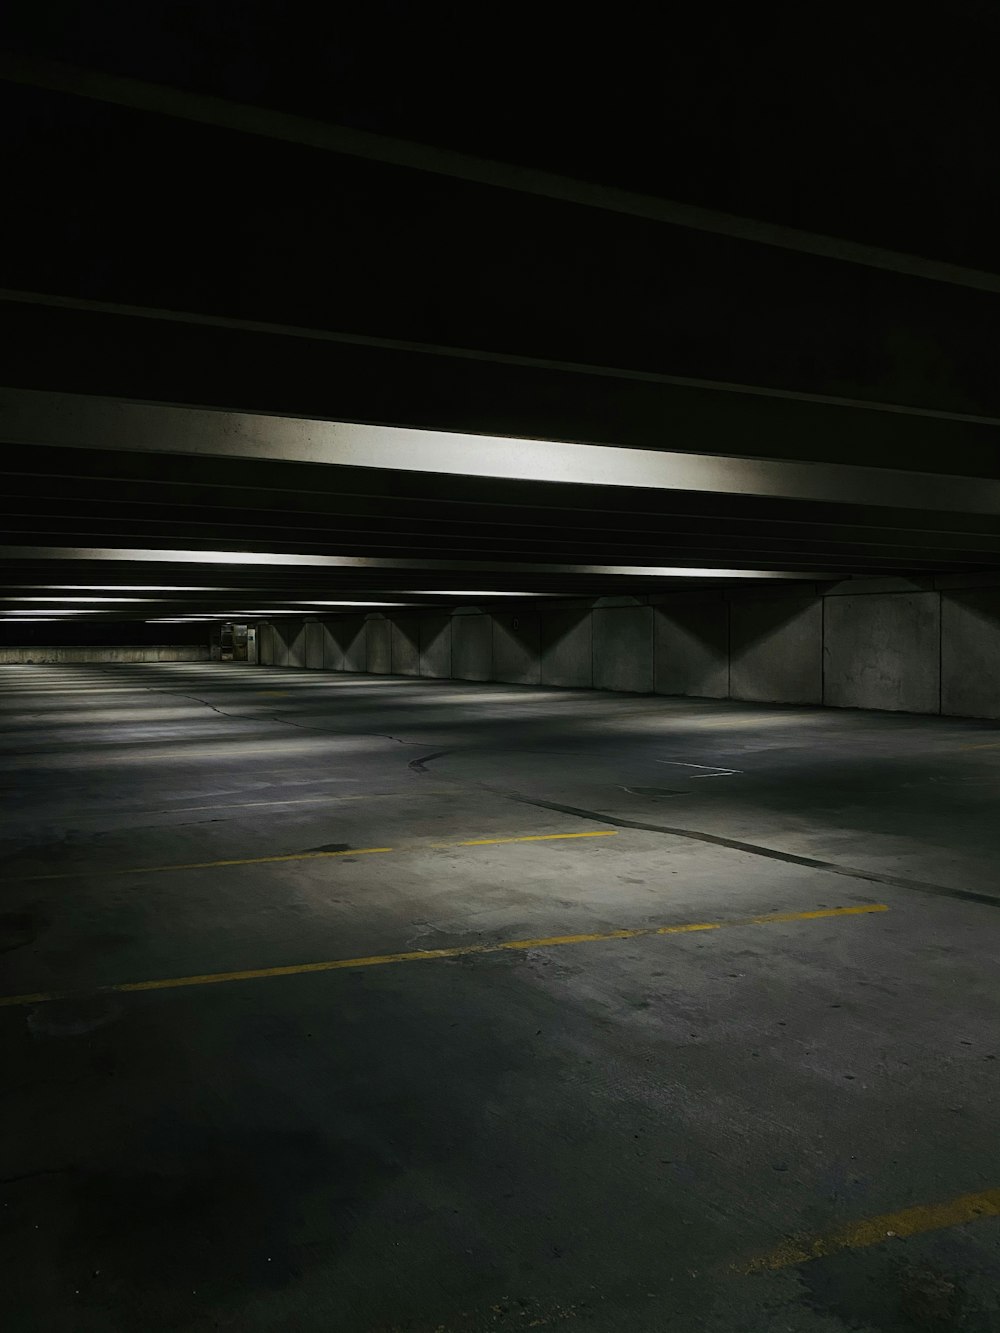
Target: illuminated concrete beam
[[275, 558], [32, 417]]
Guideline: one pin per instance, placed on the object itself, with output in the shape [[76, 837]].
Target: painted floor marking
[[458, 951], [876, 1230], [315, 856]]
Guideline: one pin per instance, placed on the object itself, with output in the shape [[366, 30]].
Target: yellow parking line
[[876, 1230], [457, 951], [530, 837], [319, 856]]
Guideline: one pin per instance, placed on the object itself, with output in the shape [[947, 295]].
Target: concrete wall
[[472, 647], [623, 648], [333, 649], [296, 638], [347, 643], [404, 648], [517, 647], [691, 645], [970, 652], [265, 644], [95, 653], [435, 646], [882, 651], [378, 645], [776, 649], [314, 645], [567, 643], [922, 646], [281, 634]]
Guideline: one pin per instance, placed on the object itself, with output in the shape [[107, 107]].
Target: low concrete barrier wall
[[42, 655]]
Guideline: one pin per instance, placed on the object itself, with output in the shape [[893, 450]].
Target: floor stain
[[206, 1221], [20, 928], [74, 1017], [902, 1294]]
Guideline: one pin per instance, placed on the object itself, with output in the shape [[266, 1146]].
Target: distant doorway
[[235, 650]]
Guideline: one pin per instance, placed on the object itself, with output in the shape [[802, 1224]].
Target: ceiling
[[295, 319]]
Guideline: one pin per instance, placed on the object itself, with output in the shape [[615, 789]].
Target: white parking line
[[710, 770]]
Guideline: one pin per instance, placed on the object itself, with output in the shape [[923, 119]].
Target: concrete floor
[[598, 1135]]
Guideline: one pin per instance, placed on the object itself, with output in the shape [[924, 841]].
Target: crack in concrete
[[284, 721]]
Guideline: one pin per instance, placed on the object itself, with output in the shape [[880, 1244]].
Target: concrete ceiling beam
[[64, 420]]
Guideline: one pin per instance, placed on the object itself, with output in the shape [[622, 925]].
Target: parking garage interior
[[499, 680]]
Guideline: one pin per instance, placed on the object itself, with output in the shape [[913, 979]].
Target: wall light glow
[[451, 592], [128, 587], [489, 569]]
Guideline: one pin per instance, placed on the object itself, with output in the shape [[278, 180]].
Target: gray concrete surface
[[405, 646], [970, 652], [333, 649], [568, 648], [284, 634], [295, 637], [378, 645], [265, 645], [597, 1135], [314, 645], [435, 646], [472, 647], [11, 655], [517, 647], [352, 636], [863, 643], [883, 651], [776, 646], [623, 648], [691, 646]]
